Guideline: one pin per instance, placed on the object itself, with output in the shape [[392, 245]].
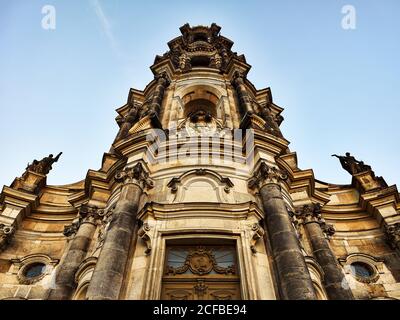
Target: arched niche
[[194, 106], [317, 278], [201, 185], [208, 95], [83, 276]]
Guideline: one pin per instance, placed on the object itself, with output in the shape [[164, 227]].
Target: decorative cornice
[[135, 175], [202, 210], [266, 174]]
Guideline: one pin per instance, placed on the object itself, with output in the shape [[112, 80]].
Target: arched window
[[200, 105]]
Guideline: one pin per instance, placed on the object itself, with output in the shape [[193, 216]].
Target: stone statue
[[351, 164], [43, 166], [271, 124]]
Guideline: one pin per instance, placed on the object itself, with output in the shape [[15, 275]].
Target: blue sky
[[59, 88]]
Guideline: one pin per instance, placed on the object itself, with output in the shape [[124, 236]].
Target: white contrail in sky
[[106, 26]]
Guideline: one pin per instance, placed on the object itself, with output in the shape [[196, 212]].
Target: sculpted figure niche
[[201, 123]]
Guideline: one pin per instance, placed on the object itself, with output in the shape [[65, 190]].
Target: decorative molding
[[175, 182], [199, 41], [376, 265], [24, 263], [103, 228], [258, 233], [200, 288], [143, 233], [266, 174], [85, 267], [392, 233], [200, 261], [6, 233], [71, 229]]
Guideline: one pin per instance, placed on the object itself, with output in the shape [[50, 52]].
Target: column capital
[[135, 175], [87, 214], [310, 213], [90, 214], [266, 174]]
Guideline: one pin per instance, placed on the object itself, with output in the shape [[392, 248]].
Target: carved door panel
[[201, 273]]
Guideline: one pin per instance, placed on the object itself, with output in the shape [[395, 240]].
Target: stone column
[[109, 272], [127, 123], [84, 230], [243, 95], [294, 278], [335, 282], [158, 94]]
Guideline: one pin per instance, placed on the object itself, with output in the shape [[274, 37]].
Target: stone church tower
[[200, 197]]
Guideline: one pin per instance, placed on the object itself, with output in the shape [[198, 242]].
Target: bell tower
[[217, 203], [200, 197]]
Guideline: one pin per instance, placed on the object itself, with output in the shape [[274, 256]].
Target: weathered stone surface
[[335, 283], [294, 279], [109, 271]]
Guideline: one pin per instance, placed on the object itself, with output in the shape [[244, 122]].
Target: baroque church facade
[[200, 198]]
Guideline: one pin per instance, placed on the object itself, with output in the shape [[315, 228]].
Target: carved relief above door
[[201, 273]]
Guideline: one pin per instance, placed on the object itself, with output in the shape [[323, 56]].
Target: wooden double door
[[201, 273]]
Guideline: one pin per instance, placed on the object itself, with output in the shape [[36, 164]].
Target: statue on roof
[[43, 166], [351, 164]]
